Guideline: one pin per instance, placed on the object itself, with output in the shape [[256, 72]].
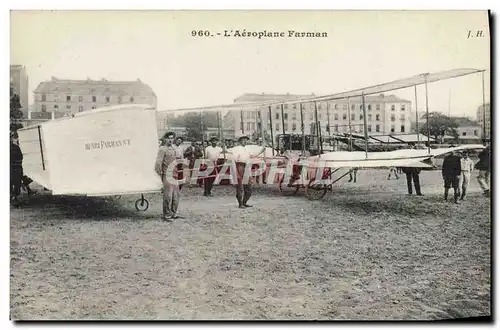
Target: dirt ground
[[366, 251]]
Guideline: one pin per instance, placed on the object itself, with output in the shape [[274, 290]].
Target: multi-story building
[[72, 96], [385, 114], [482, 117], [19, 83]]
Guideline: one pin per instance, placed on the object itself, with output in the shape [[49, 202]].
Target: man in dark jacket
[[483, 165], [16, 168], [451, 175]]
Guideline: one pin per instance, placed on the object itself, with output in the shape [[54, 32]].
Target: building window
[[475, 131], [353, 107], [294, 127], [402, 128], [369, 106], [44, 97], [312, 106], [277, 127], [344, 107], [393, 129], [353, 116], [336, 128], [278, 107], [94, 107], [393, 107], [320, 106], [107, 99], [370, 117], [285, 115], [80, 108], [377, 107], [393, 118], [56, 106], [402, 117], [44, 108], [248, 126], [294, 106], [94, 98], [344, 116], [377, 117], [119, 99], [286, 127], [68, 98], [277, 115], [336, 116], [131, 99], [369, 128], [80, 98], [403, 107], [68, 107], [360, 117], [286, 106], [463, 133], [377, 128]]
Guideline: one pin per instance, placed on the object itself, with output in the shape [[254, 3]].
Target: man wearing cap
[[242, 155], [466, 167], [167, 155], [212, 153]]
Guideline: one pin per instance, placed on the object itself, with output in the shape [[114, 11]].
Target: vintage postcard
[[250, 165]]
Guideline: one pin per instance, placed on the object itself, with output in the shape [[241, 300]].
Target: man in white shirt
[[179, 154], [466, 166], [242, 155], [212, 153]]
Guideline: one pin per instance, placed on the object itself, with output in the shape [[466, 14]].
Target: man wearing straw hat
[[242, 156], [212, 153]]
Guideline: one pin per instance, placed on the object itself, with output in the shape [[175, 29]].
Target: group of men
[[171, 150], [457, 169]]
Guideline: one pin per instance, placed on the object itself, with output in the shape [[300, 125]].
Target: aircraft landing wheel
[[315, 191], [288, 189], [141, 204]]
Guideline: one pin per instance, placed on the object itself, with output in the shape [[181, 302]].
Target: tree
[[439, 126], [16, 114], [192, 121]]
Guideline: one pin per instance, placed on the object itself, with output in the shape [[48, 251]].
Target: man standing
[[16, 168], [466, 167], [483, 165], [213, 153], [242, 155], [412, 174], [192, 153], [451, 175], [179, 155], [167, 155]]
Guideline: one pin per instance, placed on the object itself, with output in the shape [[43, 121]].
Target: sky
[[363, 48]]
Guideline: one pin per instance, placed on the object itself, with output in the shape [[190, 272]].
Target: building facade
[[483, 117], [72, 96], [19, 83], [385, 114]]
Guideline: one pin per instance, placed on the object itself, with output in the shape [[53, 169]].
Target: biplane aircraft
[[111, 151]]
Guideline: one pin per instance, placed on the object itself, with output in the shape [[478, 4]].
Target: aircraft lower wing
[[420, 158]]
